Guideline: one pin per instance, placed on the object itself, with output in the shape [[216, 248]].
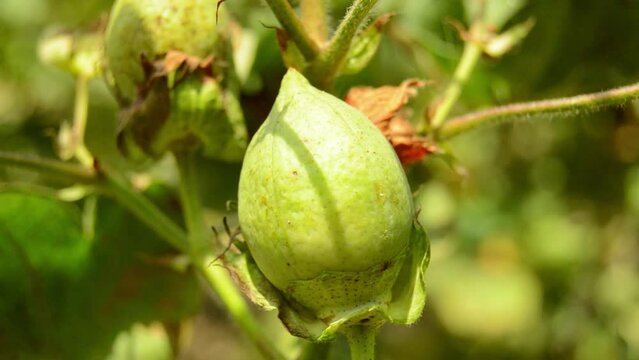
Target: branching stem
[[513, 112], [327, 65], [471, 54]]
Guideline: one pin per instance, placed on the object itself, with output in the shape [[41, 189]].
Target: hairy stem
[[64, 171], [464, 69], [325, 68], [314, 17], [294, 27], [561, 106], [361, 340]]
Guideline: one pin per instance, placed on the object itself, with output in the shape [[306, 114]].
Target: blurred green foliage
[[535, 241]]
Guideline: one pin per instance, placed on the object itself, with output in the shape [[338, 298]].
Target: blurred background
[[534, 227]]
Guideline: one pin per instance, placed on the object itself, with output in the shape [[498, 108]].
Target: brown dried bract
[[176, 59], [382, 106], [408, 145], [382, 103]]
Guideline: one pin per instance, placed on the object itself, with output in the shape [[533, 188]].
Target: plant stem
[[59, 169], [80, 114], [314, 18], [25, 187], [89, 212], [217, 277], [315, 351], [327, 65], [471, 54], [191, 205], [292, 24], [561, 106], [121, 190], [220, 281], [146, 211], [361, 340]]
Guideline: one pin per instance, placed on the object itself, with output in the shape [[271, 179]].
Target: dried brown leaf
[[382, 106]]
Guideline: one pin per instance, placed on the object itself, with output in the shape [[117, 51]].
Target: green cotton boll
[[324, 203], [151, 28], [170, 104], [195, 114]]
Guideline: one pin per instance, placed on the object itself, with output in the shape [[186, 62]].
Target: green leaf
[[408, 294], [409, 291], [254, 284], [194, 114], [365, 46], [55, 284], [256, 287], [136, 277], [42, 259]]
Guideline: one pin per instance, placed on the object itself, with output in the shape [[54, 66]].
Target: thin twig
[[80, 115], [119, 189], [59, 169], [561, 106], [470, 56]]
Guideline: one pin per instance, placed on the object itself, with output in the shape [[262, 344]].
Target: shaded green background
[[535, 236]]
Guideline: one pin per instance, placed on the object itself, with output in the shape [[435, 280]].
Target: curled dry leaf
[[175, 59], [383, 107], [382, 103], [409, 147]]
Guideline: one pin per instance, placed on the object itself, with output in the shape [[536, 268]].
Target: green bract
[[327, 215], [192, 114], [171, 67]]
